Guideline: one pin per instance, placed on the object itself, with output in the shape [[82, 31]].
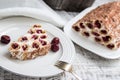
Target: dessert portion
[[101, 25], [34, 43]]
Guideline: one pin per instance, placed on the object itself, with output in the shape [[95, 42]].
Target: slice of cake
[[34, 43], [101, 25]]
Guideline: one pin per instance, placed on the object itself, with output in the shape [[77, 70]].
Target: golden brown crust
[[108, 16]]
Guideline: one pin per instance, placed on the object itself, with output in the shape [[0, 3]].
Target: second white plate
[[87, 44]]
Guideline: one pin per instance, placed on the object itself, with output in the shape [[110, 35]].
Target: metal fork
[[67, 67]]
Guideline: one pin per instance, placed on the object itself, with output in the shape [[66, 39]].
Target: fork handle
[[76, 76]]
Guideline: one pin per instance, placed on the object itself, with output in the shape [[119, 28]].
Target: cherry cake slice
[[34, 43]]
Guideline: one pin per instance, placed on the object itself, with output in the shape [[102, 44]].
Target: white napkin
[[34, 8]]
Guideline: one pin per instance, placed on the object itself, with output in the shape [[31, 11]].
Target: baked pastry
[[34, 43], [101, 25]]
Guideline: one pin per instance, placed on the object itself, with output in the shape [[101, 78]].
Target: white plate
[[42, 66], [87, 44]]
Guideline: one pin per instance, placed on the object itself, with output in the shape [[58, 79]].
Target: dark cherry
[[97, 24], [43, 42], [97, 39], [35, 37], [39, 31], [103, 32], [24, 47], [54, 47], [106, 38], [15, 45], [95, 33], [35, 45], [86, 34], [5, 39], [43, 36], [89, 25], [55, 40], [76, 28], [82, 26], [24, 39], [111, 46]]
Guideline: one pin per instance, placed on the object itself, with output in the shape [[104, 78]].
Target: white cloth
[[34, 8]]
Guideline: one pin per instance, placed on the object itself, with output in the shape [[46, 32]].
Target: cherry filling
[[39, 31], [35, 37], [97, 24], [43, 37], [15, 45], [82, 26], [103, 32], [35, 45], [97, 39], [106, 38], [111, 46], [43, 42], [24, 39], [76, 28], [89, 25], [95, 33], [24, 47], [86, 34]]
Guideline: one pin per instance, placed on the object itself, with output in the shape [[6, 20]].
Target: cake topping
[[43, 42], [24, 47], [95, 33], [31, 31], [97, 39], [35, 45], [82, 26], [39, 31], [24, 39], [86, 34], [36, 26], [97, 24], [111, 46], [103, 32], [76, 28], [43, 36], [15, 45], [106, 38], [35, 37], [89, 25]]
